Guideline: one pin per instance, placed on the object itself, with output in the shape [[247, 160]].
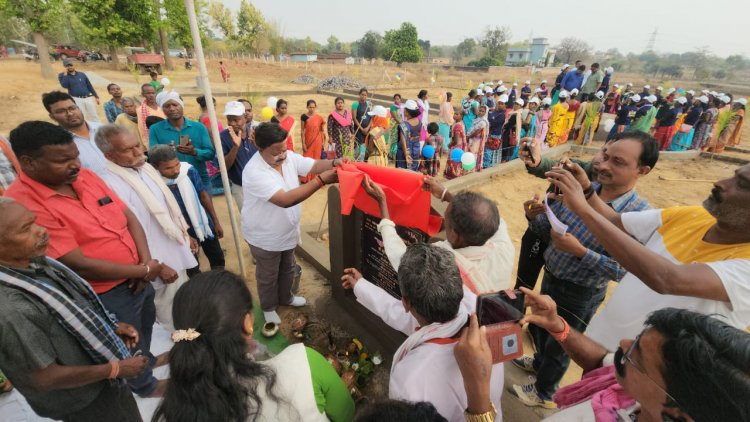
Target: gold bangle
[[482, 417]]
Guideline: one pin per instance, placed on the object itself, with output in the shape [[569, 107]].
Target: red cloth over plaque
[[408, 204]]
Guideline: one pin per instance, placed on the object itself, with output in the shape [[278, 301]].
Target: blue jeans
[[576, 304], [140, 312]]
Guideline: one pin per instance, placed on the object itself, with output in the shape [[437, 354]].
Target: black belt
[[85, 96]]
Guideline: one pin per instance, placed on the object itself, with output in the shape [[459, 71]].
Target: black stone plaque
[[375, 265]]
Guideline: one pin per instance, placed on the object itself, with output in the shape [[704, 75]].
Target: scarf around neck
[[196, 212], [345, 120]]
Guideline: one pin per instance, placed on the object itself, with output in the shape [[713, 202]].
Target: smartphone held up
[[500, 314]]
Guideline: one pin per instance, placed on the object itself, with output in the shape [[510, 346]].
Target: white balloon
[[272, 102], [608, 124], [165, 81], [468, 159]]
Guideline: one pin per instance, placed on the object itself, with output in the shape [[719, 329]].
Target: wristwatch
[[483, 417]]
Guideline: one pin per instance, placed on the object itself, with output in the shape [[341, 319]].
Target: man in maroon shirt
[[90, 230]]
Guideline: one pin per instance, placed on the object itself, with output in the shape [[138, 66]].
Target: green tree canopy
[[222, 19], [495, 40], [402, 45], [250, 25], [370, 45]]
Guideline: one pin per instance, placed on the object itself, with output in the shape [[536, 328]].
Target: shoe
[[528, 395], [270, 329], [526, 363], [298, 301], [272, 317]]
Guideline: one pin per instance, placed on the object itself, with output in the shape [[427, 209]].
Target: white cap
[[714, 93], [703, 99], [691, 92], [599, 94], [564, 94], [547, 100], [629, 84], [635, 98], [565, 66], [411, 105], [527, 82], [704, 91], [500, 82], [726, 98], [681, 100], [544, 81], [670, 90], [534, 100], [646, 86], [538, 90], [574, 91], [616, 85], [379, 111], [488, 90], [721, 94], [659, 88], [742, 101], [501, 89], [234, 108], [651, 98], [515, 84], [503, 98], [480, 91], [519, 102]]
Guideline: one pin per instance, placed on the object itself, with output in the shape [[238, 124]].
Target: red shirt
[[99, 230]]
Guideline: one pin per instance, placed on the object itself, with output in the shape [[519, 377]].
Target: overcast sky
[[683, 25]]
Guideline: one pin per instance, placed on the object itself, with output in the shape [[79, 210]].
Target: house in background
[[303, 57], [537, 53]]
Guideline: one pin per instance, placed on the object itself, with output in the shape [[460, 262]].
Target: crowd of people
[[102, 224]]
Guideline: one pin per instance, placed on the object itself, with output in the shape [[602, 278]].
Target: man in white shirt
[[271, 214], [695, 258], [141, 187], [475, 234], [431, 313], [63, 110]]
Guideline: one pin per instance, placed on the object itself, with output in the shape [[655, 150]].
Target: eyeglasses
[[628, 357], [68, 110]]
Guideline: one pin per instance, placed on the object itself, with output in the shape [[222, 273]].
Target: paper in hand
[[558, 226]]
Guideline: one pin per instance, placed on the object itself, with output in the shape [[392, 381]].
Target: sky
[[683, 25]]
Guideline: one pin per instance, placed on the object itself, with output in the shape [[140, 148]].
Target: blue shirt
[[194, 177], [77, 84], [162, 133], [626, 114], [596, 268], [572, 80], [111, 111], [497, 120], [244, 154], [669, 118]]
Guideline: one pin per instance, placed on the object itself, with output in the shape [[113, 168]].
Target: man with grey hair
[[475, 233], [141, 187]]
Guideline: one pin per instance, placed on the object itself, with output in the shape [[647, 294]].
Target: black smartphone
[[493, 308]]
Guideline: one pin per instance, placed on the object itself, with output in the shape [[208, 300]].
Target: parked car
[[60, 51]]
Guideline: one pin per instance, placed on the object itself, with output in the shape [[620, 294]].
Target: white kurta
[[163, 248], [429, 372], [91, 156], [493, 261]]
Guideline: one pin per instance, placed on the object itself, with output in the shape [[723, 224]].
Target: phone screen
[[493, 308]]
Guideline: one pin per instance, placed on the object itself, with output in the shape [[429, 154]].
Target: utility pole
[[652, 41]]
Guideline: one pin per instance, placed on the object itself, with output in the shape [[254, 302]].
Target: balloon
[[428, 151], [608, 124], [272, 102], [267, 113], [468, 161], [165, 81], [456, 154]]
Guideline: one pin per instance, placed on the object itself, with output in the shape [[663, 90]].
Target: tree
[[736, 62], [425, 46], [179, 27], [41, 16], [115, 23], [720, 74], [332, 44], [222, 19], [464, 49], [572, 49], [495, 41], [250, 25], [402, 45], [369, 45], [485, 61], [437, 52]]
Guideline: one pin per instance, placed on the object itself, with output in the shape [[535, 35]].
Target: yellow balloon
[[267, 113]]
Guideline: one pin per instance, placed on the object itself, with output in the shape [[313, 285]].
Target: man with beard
[[91, 231], [578, 267], [129, 119], [68, 115], [142, 188], [688, 257]]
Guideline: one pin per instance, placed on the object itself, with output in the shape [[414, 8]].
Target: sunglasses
[[627, 357]]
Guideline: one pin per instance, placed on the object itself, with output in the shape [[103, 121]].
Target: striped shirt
[[596, 268]]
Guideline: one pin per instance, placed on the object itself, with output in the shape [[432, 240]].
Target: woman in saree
[[453, 169], [313, 132], [340, 132], [529, 123], [469, 106], [543, 115], [683, 137], [376, 147], [702, 126], [478, 135], [558, 81], [589, 116], [446, 119], [570, 116], [409, 135], [730, 133], [396, 117], [557, 135], [286, 121], [512, 131]]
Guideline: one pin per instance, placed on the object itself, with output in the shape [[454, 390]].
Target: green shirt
[[546, 165], [331, 394], [162, 133], [593, 81], [156, 85]]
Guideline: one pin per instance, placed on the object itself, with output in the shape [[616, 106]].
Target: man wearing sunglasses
[[683, 366]]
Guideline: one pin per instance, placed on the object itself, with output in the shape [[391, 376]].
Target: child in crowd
[[458, 140], [195, 203], [431, 166]]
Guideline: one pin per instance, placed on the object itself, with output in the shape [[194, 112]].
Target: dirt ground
[[20, 101]]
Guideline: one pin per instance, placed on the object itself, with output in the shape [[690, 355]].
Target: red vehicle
[[60, 51], [143, 60]]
